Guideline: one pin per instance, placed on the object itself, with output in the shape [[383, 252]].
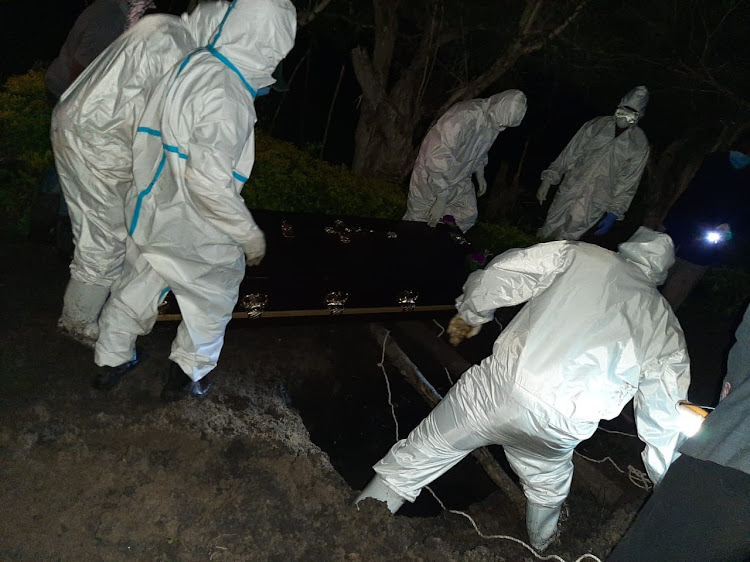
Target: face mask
[[625, 117], [738, 159]]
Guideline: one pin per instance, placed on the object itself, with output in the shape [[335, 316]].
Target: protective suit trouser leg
[[206, 305], [462, 205], [546, 480], [379, 490], [436, 445], [95, 205], [131, 309], [541, 524], [82, 305], [569, 217]]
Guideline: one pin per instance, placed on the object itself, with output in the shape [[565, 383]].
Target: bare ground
[[86, 475]]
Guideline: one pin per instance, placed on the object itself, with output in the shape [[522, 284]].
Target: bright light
[[714, 237], [691, 418]]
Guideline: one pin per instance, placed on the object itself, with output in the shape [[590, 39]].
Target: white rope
[[638, 478], [447, 374], [616, 432], [507, 537], [439, 325], [456, 512], [387, 383]]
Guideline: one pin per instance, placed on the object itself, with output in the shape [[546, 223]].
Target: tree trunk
[[383, 146]]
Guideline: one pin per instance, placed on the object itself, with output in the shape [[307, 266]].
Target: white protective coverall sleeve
[[510, 279], [664, 383], [455, 148], [217, 143], [570, 155]]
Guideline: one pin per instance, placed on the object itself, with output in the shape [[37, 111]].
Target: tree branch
[[305, 18], [517, 49]]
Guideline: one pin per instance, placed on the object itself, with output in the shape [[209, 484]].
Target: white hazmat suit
[[92, 133], [594, 334], [190, 231], [455, 148], [600, 172]]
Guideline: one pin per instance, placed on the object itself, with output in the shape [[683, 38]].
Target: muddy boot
[[110, 377], [82, 304], [541, 524], [379, 490], [180, 386]]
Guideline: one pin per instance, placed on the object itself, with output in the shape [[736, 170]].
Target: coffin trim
[[327, 312]]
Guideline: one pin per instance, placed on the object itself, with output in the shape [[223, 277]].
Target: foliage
[[286, 178], [496, 237], [25, 151]]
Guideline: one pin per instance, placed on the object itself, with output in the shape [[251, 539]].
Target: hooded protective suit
[[595, 334], [455, 148], [92, 133], [188, 224], [601, 173]]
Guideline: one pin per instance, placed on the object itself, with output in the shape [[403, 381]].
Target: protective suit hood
[[637, 98], [136, 9], [507, 108], [255, 36], [202, 22], [652, 252]]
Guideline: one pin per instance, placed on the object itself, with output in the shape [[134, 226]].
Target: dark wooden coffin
[[318, 265]]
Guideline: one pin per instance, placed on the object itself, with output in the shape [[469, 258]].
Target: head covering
[[255, 36], [136, 9], [507, 108], [637, 98], [202, 22], [651, 251]]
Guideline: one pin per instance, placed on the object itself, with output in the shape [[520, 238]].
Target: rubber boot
[[541, 524], [82, 304], [180, 386], [379, 490]]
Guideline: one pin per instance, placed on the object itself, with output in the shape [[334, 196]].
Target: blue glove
[[605, 225]]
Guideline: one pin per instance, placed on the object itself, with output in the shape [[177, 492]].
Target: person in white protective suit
[[92, 136], [595, 334], [190, 231], [600, 170], [455, 148]]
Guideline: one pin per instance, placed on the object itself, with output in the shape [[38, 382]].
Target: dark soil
[[265, 468]]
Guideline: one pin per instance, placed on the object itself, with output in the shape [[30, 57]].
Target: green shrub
[[498, 237], [285, 178], [25, 151]]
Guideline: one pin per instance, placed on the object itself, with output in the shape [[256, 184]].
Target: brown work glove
[[458, 330]]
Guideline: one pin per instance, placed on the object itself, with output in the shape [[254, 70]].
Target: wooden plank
[[415, 378]]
